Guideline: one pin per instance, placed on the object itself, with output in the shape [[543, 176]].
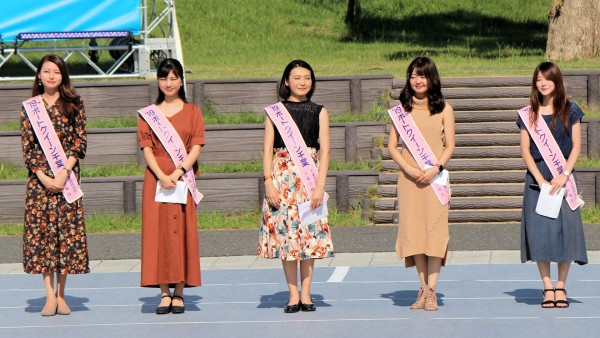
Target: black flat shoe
[[308, 307], [178, 309], [292, 308], [163, 310]]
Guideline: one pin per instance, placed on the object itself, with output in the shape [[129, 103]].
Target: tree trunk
[[573, 29]]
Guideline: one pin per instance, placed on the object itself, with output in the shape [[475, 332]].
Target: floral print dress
[[282, 234], [54, 238]]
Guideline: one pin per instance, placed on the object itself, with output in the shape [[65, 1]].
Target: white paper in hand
[[441, 178], [549, 205], [307, 216], [177, 195]]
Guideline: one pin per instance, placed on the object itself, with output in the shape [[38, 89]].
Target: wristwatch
[[440, 167], [182, 168], [69, 171], [566, 173]]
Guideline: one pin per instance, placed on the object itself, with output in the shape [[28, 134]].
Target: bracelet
[[69, 171], [267, 178], [182, 168]]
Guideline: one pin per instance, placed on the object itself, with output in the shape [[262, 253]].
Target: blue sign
[[35, 16]]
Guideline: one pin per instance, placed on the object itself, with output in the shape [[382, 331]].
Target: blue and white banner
[[35, 16]]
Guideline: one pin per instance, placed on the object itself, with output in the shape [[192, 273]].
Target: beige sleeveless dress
[[423, 221]]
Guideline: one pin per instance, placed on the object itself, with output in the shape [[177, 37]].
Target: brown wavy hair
[[550, 72], [69, 101]]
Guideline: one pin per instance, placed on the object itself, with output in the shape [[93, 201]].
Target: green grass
[[13, 172], [245, 39], [206, 221], [587, 162]]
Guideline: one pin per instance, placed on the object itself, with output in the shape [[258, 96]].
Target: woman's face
[[170, 85], [300, 83], [418, 83], [50, 76], [544, 86]]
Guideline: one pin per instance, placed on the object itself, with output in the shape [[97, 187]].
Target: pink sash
[[545, 142], [168, 136], [295, 145], [46, 135], [418, 147]]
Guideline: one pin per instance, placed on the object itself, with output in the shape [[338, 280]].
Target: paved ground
[[364, 293]]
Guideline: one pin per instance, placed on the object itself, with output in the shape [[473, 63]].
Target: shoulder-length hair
[[164, 68], [550, 72], [284, 90], [424, 67], [68, 101]]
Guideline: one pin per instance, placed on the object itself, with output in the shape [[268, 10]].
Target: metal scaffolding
[[133, 56]]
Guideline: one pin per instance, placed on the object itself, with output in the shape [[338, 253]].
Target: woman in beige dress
[[423, 223]]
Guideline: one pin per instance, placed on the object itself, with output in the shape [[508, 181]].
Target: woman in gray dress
[[544, 239]]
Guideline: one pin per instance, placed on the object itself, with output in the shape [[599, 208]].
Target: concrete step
[[458, 216], [478, 92], [487, 128], [473, 152], [462, 203], [485, 116], [456, 177], [466, 190], [479, 164], [458, 82]]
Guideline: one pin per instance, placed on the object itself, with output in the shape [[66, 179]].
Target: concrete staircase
[[486, 170]]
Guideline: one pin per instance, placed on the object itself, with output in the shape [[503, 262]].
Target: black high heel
[[178, 309], [548, 304], [564, 303], [163, 310], [292, 308]]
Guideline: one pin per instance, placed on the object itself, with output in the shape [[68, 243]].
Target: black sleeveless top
[[306, 116]]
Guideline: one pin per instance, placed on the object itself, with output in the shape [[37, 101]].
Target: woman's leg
[[544, 269], [421, 264], [61, 282], [306, 272], [164, 291], [561, 296], [290, 269], [50, 307], [434, 265], [179, 292]]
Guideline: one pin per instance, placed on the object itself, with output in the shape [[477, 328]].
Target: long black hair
[[163, 70], [68, 101], [425, 67], [284, 90], [550, 72]]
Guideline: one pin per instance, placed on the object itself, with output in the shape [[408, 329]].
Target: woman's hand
[[175, 175], [50, 183], [166, 182], [61, 179], [317, 197], [272, 194], [414, 172], [558, 183], [427, 175]]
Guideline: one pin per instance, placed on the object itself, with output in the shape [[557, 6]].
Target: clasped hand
[[557, 183], [424, 176], [170, 181], [56, 184]]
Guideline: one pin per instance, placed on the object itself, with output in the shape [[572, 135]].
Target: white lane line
[[487, 318], [338, 274]]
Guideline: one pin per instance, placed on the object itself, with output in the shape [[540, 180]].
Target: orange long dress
[[170, 250]]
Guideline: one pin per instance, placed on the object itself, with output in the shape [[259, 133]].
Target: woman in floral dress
[[282, 234], [54, 238]]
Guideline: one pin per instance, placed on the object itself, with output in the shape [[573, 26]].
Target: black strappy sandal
[[546, 303], [564, 303]]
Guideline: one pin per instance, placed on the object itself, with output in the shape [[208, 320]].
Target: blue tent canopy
[[34, 16]]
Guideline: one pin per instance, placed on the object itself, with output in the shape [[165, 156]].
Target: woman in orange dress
[[170, 251]]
